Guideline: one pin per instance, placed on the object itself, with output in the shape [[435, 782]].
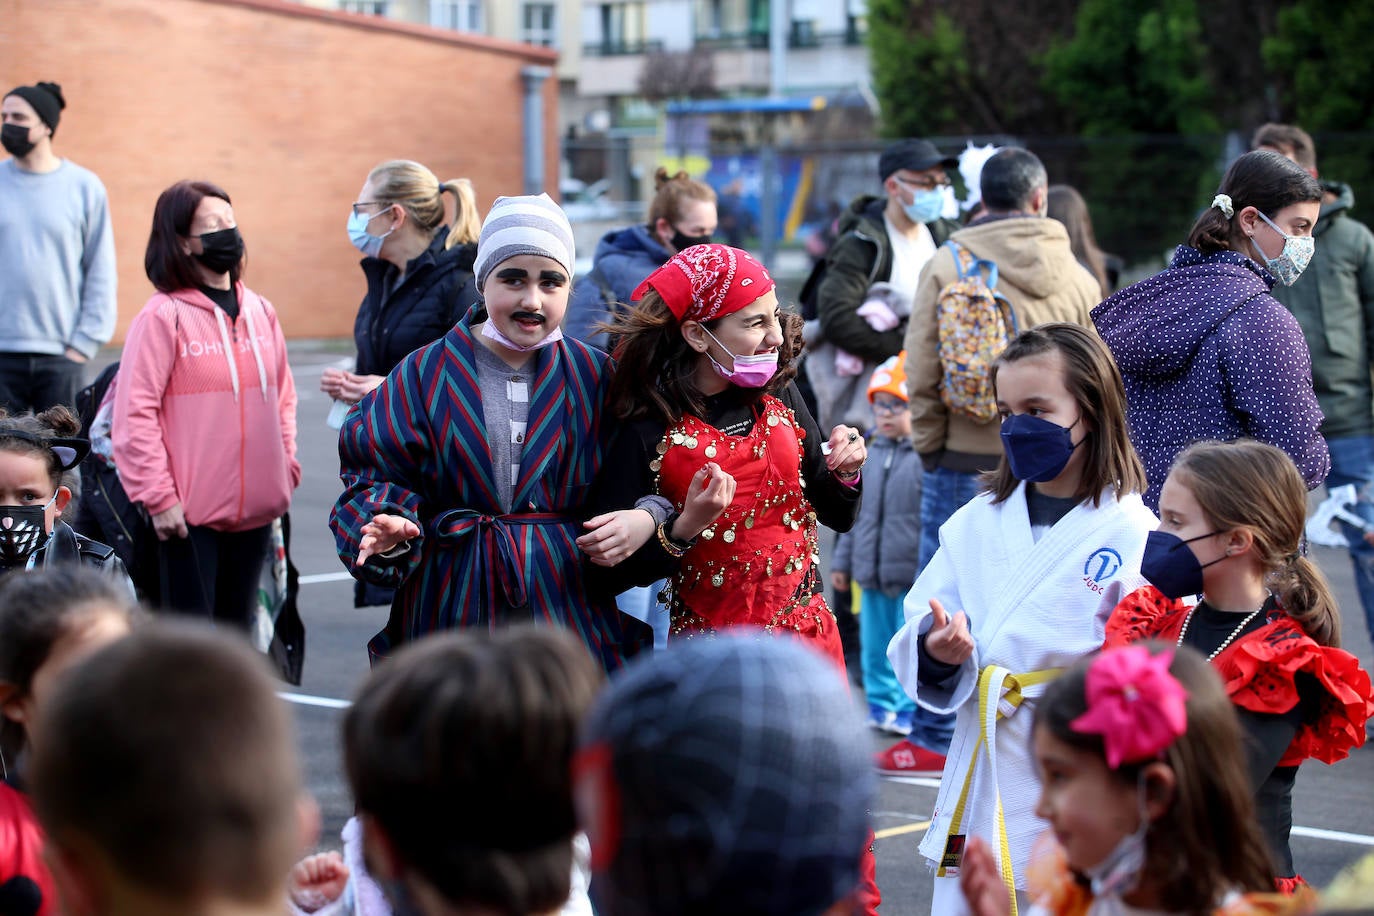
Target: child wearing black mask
[[36, 452], [1231, 519]]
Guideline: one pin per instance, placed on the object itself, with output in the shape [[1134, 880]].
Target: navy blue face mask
[[1037, 449], [1171, 566]]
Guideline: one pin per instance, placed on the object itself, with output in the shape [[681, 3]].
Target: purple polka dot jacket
[[1207, 353]]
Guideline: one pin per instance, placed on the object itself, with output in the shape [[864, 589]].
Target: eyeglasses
[[925, 184], [888, 408], [368, 203]]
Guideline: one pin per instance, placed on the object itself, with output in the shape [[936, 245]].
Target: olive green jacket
[[1333, 300]]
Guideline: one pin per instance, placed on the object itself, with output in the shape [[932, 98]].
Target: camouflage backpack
[[975, 324]]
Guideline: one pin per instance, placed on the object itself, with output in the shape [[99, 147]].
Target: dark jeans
[[213, 574], [33, 382]]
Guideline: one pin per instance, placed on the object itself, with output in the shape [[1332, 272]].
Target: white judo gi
[[1032, 606]]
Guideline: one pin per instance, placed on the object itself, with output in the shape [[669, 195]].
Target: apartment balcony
[[814, 60]]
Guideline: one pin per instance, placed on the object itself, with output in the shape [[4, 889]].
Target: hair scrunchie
[[1223, 203]]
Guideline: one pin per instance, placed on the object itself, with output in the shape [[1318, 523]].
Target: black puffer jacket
[[437, 290], [66, 546]]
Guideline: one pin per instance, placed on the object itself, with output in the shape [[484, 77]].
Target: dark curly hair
[[655, 365]]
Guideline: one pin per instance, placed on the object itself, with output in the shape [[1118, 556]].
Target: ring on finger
[[853, 436]]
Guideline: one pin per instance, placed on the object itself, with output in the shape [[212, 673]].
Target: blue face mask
[[1037, 450], [925, 206], [369, 245], [1170, 565]]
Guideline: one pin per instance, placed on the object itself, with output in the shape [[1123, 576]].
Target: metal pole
[[779, 25], [534, 126]]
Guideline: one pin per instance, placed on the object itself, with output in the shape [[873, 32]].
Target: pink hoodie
[[205, 411]]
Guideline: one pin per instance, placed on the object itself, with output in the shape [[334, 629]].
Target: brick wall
[[284, 106]]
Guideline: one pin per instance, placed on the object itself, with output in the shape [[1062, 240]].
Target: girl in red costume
[[713, 424], [1231, 524], [710, 421]]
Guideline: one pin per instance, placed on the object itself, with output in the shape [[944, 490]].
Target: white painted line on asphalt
[[324, 577], [305, 699], [928, 782], [1335, 836]]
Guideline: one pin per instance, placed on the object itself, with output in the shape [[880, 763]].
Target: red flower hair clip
[[1134, 703]]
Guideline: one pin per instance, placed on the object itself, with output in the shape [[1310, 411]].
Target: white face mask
[[1293, 260], [1118, 873]]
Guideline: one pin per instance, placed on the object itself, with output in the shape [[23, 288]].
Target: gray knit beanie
[[532, 224]]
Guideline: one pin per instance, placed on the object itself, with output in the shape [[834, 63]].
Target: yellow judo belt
[[1000, 693]]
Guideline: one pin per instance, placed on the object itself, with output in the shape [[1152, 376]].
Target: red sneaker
[[907, 759]]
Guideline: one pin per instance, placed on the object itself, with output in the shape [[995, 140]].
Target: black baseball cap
[[913, 155]]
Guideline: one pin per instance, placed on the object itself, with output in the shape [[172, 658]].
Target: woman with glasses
[[419, 282], [683, 214], [418, 270]]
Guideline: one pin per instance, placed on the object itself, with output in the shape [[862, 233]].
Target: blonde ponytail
[[466, 223]]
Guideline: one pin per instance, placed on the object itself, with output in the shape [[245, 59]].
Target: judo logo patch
[[1102, 564]]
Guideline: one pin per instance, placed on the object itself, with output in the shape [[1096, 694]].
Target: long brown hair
[[1206, 843], [1068, 207], [1255, 486], [655, 366], [1091, 377]]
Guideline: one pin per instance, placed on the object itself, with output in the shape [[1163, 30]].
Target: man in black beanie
[[57, 263]]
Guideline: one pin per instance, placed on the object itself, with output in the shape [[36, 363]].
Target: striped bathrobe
[[418, 447]]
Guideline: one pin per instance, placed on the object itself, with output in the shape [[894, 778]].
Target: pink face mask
[[750, 371]]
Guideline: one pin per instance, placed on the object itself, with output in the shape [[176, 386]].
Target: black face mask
[[221, 250], [15, 139], [682, 242], [23, 529]]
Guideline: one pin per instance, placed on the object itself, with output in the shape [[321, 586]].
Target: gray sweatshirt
[[57, 261]]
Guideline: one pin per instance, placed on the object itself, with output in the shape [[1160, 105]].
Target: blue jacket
[[437, 289], [624, 257], [882, 550], [1207, 353]]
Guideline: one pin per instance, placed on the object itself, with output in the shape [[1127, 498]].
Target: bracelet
[[847, 478], [671, 545]]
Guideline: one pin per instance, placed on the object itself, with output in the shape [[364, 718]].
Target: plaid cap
[[736, 779]]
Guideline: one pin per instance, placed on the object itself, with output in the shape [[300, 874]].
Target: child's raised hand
[[948, 640], [845, 451], [613, 536], [984, 891], [709, 493], [385, 533], [317, 881]]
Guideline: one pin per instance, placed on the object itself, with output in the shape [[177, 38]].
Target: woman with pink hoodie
[[205, 409]]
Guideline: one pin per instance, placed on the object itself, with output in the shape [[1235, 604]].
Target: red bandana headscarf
[[707, 281]]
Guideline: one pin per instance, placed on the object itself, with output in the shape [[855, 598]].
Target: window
[[366, 7], [541, 24], [462, 15], [622, 27]]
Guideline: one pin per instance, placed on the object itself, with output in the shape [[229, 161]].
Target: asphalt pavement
[[1332, 804]]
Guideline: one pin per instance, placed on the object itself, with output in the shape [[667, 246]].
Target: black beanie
[[46, 99]]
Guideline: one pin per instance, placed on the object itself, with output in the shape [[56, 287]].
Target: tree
[[963, 66]]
